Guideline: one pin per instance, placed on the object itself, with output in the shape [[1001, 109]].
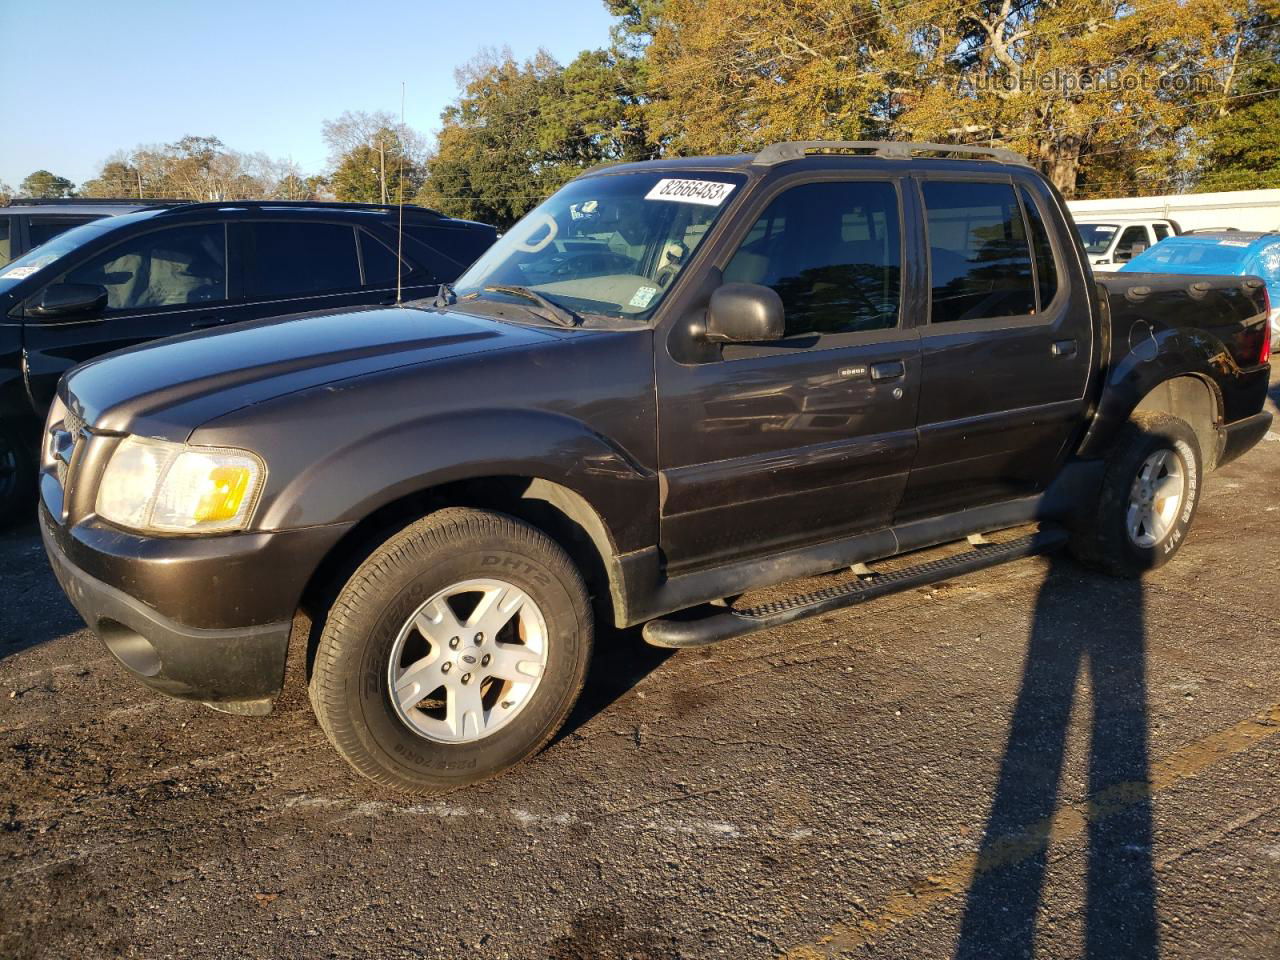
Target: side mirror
[[744, 313], [60, 301]]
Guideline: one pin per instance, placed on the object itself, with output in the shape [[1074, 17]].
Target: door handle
[[1063, 348], [205, 322], [888, 370]]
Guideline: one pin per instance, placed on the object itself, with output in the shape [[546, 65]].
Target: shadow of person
[[1092, 628]]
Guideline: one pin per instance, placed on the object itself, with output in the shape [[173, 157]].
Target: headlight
[[154, 485]]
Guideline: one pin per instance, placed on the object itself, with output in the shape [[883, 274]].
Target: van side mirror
[[61, 301], [745, 313]]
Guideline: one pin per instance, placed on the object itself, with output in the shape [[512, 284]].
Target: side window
[[833, 253], [162, 268], [379, 262], [40, 229], [6, 241], [1131, 235], [445, 252], [297, 259], [979, 259], [1046, 266], [1161, 229]]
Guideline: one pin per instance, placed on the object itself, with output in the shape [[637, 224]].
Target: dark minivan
[[122, 280]]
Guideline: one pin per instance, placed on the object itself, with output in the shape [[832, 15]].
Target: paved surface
[[1035, 756]]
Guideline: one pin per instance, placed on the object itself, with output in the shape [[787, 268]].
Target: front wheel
[[1150, 491], [455, 651]]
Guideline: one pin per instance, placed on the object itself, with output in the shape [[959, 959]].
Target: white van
[[1113, 242]]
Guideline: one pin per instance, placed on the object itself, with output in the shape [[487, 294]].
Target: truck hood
[[167, 389]]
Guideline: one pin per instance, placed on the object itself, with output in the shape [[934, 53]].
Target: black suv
[[25, 224], [118, 281]]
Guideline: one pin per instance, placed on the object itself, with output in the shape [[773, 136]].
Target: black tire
[[17, 479], [350, 688], [1101, 537]]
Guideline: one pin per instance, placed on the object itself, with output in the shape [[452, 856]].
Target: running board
[[866, 586]]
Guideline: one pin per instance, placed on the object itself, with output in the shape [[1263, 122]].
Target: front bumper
[[204, 619]]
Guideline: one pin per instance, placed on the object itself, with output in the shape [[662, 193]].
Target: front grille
[[73, 423]]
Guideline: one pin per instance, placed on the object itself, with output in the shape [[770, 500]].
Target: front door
[[1008, 349], [159, 284], [772, 445]]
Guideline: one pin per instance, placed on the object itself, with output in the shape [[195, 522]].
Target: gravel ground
[[1030, 758]]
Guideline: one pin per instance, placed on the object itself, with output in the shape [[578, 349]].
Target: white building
[[1242, 209]]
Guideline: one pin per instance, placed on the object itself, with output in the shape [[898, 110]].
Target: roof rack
[[91, 201], [894, 150], [302, 204]]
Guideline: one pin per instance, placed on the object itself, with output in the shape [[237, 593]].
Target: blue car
[[1229, 252]]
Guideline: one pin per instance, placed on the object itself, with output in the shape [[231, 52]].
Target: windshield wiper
[[554, 311]]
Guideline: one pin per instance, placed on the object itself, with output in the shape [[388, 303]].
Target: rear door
[[772, 445], [1008, 348], [294, 266], [159, 283]]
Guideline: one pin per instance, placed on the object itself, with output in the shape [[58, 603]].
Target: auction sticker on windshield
[[710, 193]]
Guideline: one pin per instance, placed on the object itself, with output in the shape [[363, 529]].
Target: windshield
[[605, 246], [1096, 236], [51, 251]]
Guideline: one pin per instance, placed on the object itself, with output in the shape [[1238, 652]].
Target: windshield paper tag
[[709, 193], [18, 273], [643, 296]]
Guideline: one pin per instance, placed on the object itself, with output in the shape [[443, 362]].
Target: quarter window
[[832, 251], [979, 258], [296, 259], [6, 243], [163, 268], [1046, 266], [379, 263]]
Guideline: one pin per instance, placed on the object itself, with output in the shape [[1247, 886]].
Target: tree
[[43, 184], [1092, 91], [380, 171], [374, 157], [519, 131], [1241, 148]]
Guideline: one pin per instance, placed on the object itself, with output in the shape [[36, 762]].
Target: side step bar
[[735, 623]]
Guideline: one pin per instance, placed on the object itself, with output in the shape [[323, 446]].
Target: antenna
[[400, 205]]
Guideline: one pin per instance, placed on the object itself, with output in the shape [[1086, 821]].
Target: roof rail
[[303, 204], [889, 149], [90, 201]]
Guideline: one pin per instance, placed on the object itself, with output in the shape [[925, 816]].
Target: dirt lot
[[1033, 757]]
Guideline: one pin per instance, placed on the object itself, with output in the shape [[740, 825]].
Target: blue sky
[[83, 79]]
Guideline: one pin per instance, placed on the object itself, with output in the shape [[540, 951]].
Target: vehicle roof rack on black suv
[[307, 204], [91, 201], [896, 150]]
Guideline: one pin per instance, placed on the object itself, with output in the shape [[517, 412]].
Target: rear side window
[[445, 253], [298, 259], [1046, 266], [832, 251], [1161, 229], [40, 229], [979, 258], [6, 242]]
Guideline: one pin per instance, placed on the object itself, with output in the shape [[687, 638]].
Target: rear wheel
[[1150, 491], [17, 479], [455, 651]]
